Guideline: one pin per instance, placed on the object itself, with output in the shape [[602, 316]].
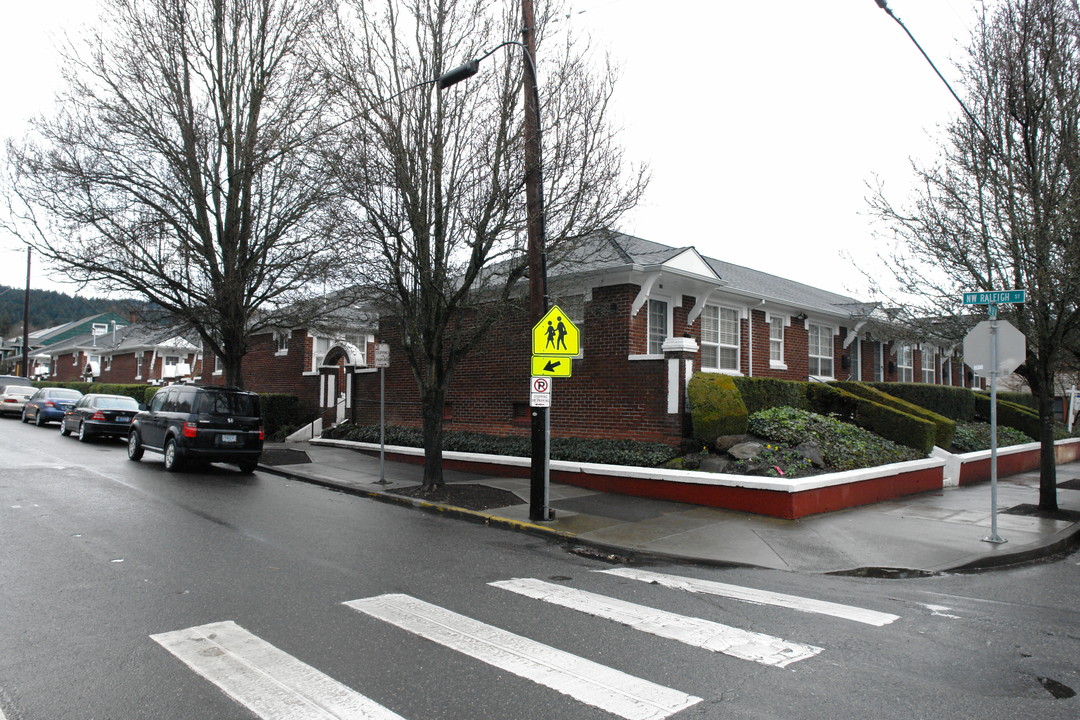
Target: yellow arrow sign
[[549, 366], [555, 335]]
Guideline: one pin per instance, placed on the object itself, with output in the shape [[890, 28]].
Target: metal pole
[[993, 537], [534, 209], [26, 320], [382, 426], [1072, 407]]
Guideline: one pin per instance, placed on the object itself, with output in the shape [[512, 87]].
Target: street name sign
[[540, 392], [995, 298], [551, 366], [556, 335]]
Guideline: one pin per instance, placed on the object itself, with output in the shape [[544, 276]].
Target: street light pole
[[26, 320], [535, 250]]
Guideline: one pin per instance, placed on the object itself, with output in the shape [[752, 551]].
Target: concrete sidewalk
[[930, 532]]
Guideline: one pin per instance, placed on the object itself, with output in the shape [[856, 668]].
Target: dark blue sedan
[[49, 405]]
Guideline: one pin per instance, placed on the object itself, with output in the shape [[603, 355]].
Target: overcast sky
[[762, 122]]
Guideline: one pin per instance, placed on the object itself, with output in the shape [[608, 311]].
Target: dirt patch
[[283, 456], [1034, 511], [464, 495]]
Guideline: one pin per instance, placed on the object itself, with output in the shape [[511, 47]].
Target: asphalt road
[[108, 565]]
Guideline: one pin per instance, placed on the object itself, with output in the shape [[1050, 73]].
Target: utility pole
[[534, 209], [26, 320]]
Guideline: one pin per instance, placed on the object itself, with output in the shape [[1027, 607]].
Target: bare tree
[[183, 165], [1001, 209], [435, 179]]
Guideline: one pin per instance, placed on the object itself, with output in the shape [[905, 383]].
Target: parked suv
[[191, 423]]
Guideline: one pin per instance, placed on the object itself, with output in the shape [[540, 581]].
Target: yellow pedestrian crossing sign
[[556, 335]]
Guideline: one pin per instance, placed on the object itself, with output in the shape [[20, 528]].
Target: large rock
[[745, 450], [726, 442], [715, 464], [811, 452]]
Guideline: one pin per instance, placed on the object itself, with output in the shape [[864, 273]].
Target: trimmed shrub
[[1019, 398], [843, 446], [716, 408], [891, 424], [945, 428], [974, 436], [606, 452], [760, 393], [137, 392], [1018, 417], [149, 392], [279, 410], [955, 403], [83, 387]]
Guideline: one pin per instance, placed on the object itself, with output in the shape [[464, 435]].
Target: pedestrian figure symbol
[[560, 330], [550, 333]]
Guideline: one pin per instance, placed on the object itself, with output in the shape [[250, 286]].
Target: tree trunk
[[434, 402], [1047, 456]]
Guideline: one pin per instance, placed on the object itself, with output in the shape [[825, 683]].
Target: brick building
[[118, 353]]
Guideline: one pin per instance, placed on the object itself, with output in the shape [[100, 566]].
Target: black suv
[[200, 424]]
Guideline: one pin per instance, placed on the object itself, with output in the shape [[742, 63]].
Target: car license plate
[[123, 418], [228, 438]]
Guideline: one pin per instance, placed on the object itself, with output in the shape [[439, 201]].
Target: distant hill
[[49, 308]]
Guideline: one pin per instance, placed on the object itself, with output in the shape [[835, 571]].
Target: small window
[[720, 338], [658, 326], [904, 364], [138, 365], [821, 351], [776, 339], [929, 364], [281, 341]]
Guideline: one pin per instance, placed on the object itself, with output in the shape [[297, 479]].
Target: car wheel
[[83, 435], [37, 419], [64, 428], [248, 466], [173, 459], [135, 448], [24, 418]]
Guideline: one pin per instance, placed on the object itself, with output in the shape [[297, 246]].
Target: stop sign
[[1011, 348]]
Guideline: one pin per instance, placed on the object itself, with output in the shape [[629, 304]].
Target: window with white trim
[[820, 343], [281, 340], [776, 339], [320, 345], [659, 327], [107, 364], [138, 365], [929, 367], [719, 338], [904, 369]]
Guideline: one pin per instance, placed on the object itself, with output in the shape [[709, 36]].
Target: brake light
[[190, 430], [98, 416], [262, 435], [10, 400], [50, 403]]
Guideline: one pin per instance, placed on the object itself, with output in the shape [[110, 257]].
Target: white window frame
[[933, 365], [812, 336], [905, 364], [281, 342], [219, 366], [716, 343], [106, 363], [316, 356], [139, 359], [650, 348], [777, 343]]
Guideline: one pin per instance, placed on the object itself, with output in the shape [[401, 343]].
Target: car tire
[[24, 418], [248, 466], [64, 429], [135, 448], [173, 459], [83, 435], [37, 419]]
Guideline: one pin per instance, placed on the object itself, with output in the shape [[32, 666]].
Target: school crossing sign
[[555, 341]]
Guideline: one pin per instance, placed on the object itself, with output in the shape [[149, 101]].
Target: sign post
[[994, 347], [555, 342], [382, 361]]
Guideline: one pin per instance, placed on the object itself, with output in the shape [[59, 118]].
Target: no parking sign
[[540, 392]]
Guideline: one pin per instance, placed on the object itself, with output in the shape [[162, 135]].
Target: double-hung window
[[904, 364], [319, 347], [659, 330], [821, 350], [719, 338], [776, 340], [281, 341], [929, 374]]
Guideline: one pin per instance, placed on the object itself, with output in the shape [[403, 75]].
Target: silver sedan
[[14, 397]]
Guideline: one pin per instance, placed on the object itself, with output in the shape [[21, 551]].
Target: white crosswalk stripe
[[759, 597], [269, 682], [706, 634], [597, 685]]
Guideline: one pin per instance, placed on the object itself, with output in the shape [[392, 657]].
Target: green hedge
[[138, 392], [955, 403], [606, 452], [1018, 398], [944, 427], [716, 407], [83, 387], [1018, 417], [279, 410], [900, 427], [763, 393]]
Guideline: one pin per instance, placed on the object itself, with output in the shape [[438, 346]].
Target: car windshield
[[219, 403], [116, 403]]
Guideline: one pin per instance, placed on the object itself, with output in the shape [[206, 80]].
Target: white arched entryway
[[336, 371]]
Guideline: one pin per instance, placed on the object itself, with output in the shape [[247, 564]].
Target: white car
[[13, 397]]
